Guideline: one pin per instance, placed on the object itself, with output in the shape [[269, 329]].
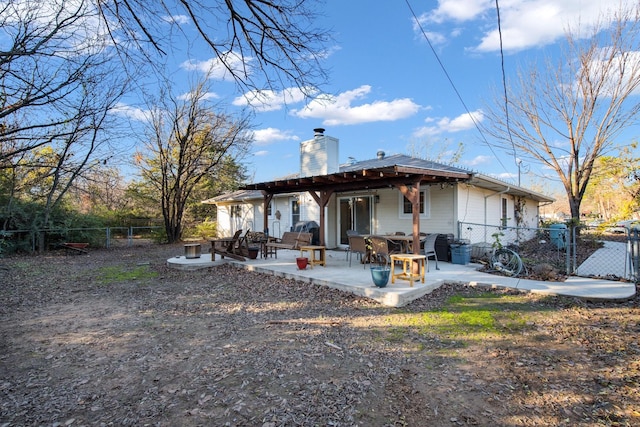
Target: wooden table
[[312, 254], [407, 273], [404, 241]]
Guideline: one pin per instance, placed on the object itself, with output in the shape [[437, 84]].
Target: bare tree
[[59, 85], [570, 113], [262, 44], [188, 143], [50, 60]]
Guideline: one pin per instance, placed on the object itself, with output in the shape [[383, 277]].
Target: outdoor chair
[[349, 234], [226, 246], [358, 245], [394, 245], [429, 248], [380, 249]]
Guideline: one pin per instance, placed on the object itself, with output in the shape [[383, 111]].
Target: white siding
[[441, 212], [319, 156]]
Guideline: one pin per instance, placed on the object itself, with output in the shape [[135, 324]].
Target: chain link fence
[[538, 247], [12, 241], [611, 253]]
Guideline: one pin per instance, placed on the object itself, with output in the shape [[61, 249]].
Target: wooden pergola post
[[412, 193], [322, 200], [265, 210]]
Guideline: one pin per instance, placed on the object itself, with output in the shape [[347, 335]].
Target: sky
[[408, 86]]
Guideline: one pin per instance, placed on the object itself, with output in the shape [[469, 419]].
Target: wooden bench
[[289, 240], [227, 247]]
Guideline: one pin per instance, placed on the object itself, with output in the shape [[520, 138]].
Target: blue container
[[380, 276], [558, 233], [460, 254]]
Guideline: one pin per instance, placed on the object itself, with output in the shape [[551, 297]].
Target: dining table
[[404, 241]]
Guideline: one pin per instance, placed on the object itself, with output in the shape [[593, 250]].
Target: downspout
[[485, 208]]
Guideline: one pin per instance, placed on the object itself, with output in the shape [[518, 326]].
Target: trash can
[[558, 235], [460, 254], [442, 247]]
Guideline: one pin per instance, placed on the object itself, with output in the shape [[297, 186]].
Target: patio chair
[[358, 245], [380, 249], [349, 234], [395, 246], [429, 248], [226, 246]]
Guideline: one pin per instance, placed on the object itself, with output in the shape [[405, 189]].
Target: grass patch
[[115, 274], [470, 319]]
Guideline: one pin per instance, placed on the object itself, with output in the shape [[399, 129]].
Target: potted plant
[[302, 263], [380, 270], [253, 252]]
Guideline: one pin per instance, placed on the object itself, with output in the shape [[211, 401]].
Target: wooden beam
[[412, 193], [322, 200], [267, 197]]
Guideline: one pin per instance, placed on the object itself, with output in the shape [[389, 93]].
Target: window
[[406, 208], [295, 212], [236, 211], [504, 216], [269, 209]]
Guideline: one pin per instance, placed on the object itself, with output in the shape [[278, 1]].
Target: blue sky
[[387, 90]]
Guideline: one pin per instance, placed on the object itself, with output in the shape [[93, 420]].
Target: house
[[382, 195]]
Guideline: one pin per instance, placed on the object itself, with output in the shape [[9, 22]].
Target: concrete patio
[[357, 278]]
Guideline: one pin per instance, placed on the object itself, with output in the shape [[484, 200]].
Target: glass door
[[356, 213]]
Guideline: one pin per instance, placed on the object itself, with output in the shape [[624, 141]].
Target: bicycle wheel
[[506, 261]]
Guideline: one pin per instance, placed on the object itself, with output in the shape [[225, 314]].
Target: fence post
[[108, 236], [130, 236], [633, 247], [572, 249]]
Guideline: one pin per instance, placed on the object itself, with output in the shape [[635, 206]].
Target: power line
[[506, 95], [455, 89]]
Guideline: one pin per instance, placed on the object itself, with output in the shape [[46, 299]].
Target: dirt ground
[[116, 338]]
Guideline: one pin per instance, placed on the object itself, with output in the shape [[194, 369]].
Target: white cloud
[[268, 100], [133, 113], [458, 10], [177, 19], [216, 69], [610, 72], [339, 110], [261, 153], [270, 135], [524, 23], [447, 125], [479, 160], [505, 176], [207, 96]]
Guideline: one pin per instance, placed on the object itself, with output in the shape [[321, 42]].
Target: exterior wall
[[471, 202], [446, 208], [228, 224], [439, 217], [484, 207], [252, 218]]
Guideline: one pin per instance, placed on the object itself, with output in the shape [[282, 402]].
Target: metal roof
[[375, 173], [369, 174]]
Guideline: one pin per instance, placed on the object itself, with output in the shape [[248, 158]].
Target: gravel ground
[[116, 338]]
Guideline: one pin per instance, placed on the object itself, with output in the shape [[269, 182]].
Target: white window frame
[[427, 205], [504, 212], [235, 211]]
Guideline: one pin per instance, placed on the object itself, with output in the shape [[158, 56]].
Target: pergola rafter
[[407, 179]]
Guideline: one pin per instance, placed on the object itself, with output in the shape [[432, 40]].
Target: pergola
[[407, 179]]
